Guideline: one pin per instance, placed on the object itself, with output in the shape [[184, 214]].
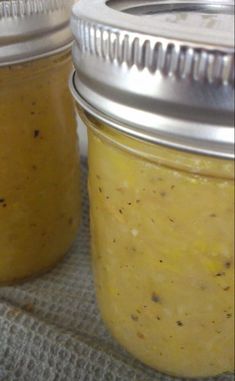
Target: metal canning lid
[[32, 29], [160, 70]]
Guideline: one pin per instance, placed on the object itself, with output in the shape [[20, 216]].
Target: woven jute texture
[[51, 330]]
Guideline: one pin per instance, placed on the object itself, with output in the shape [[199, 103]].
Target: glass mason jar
[[39, 158], [161, 178]]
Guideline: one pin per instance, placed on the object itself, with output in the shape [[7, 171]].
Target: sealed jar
[[154, 85], [39, 158]]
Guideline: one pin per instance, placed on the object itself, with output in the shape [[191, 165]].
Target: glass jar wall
[[39, 167], [162, 224]]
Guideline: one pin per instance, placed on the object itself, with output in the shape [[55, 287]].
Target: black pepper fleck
[[227, 265], [120, 211], [229, 316], [163, 194], [227, 288], [220, 274], [213, 215], [100, 189], [155, 298], [2, 200], [171, 220], [36, 133], [179, 323]]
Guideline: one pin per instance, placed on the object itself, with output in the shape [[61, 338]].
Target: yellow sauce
[[39, 167], [162, 235]]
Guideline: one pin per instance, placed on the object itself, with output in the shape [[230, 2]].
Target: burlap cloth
[[51, 330]]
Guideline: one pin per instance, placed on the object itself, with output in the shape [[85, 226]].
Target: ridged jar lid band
[[31, 29], [22, 8], [154, 53]]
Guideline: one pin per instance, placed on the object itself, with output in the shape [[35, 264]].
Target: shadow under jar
[[161, 178], [39, 158]]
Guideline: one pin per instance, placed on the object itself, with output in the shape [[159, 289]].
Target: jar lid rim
[[219, 150]]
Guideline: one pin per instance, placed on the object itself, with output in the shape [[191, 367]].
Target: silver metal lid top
[[161, 70], [32, 29]]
